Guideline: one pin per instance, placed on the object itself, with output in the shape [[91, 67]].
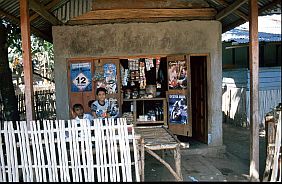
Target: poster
[[109, 81], [177, 109], [114, 108], [80, 74], [177, 75]]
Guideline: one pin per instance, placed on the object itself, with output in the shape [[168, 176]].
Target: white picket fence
[[63, 151]]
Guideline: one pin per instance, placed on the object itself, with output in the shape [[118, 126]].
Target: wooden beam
[[241, 21], [27, 64], [237, 12], [47, 8], [254, 90], [147, 4], [230, 9], [140, 20], [35, 6], [34, 30], [146, 13]]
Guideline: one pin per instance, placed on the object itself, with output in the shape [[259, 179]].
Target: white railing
[[61, 150]]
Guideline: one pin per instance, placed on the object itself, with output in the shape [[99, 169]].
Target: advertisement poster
[[80, 74], [177, 74], [110, 79], [177, 109]]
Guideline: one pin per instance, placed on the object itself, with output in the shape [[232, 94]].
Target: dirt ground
[[231, 165]]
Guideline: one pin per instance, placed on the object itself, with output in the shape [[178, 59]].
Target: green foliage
[[38, 47]]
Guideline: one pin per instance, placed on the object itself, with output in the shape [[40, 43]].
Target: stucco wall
[[133, 39]]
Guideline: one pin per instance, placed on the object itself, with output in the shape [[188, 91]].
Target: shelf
[[142, 99], [145, 122]]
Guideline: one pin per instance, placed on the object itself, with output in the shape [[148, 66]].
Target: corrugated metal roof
[[64, 10]]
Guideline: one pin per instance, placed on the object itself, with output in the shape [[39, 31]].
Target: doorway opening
[[198, 66]]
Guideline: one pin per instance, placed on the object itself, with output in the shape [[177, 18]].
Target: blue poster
[[80, 74], [177, 109]]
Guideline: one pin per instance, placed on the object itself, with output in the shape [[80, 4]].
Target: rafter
[[34, 30], [228, 10], [241, 21], [49, 7], [35, 6], [237, 12]]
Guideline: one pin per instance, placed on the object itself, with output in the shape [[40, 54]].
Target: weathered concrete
[[141, 39]]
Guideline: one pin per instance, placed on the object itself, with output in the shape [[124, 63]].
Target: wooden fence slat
[[34, 151], [122, 150], [47, 149], [83, 149], [2, 159], [22, 152], [41, 150], [66, 176], [115, 147], [44, 155], [14, 153], [59, 151], [109, 146], [9, 165], [127, 150], [277, 151]]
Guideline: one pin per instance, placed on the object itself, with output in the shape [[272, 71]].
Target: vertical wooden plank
[[34, 151], [25, 125], [27, 64], [142, 152], [66, 176], [108, 143], [115, 147], [43, 164], [83, 148], [2, 160], [15, 157], [136, 155], [254, 100], [59, 148], [9, 165], [97, 127], [127, 150], [70, 134], [22, 152], [122, 150], [47, 149]]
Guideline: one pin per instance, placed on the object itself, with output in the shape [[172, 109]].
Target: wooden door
[[111, 80], [80, 84], [178, 95], [198, 66]]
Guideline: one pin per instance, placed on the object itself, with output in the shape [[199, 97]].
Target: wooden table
[[155, 138]]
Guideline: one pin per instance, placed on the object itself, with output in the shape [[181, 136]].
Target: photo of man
[[178, 109]]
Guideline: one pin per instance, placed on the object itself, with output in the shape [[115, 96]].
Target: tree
[[7, 92], [11, 53]]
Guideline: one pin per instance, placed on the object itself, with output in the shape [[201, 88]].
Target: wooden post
[[254, 88], [27, 64]]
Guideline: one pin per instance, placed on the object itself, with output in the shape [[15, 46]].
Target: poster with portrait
[[80, 74], [177, 75], [178, 111], [109, 80]]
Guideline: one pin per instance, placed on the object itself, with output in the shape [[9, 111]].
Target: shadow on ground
[[229, 165]]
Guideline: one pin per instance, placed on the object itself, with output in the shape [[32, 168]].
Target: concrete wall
[[133, 39]]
